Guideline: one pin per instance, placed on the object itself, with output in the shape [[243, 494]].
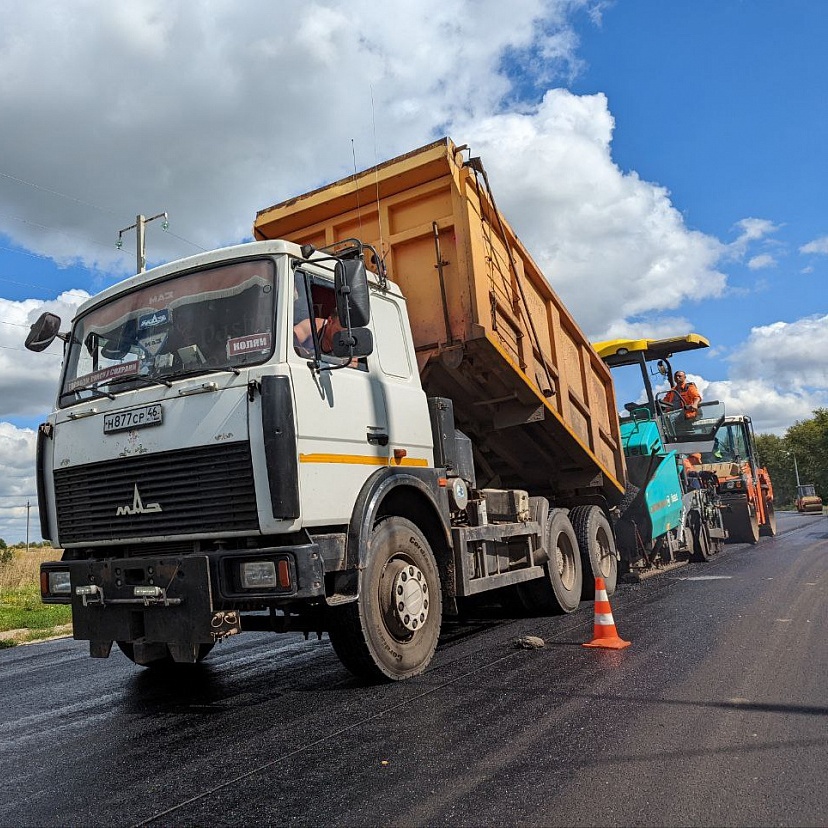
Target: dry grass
[[23, 570], [22, 615]]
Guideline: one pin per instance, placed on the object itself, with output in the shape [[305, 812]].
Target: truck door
[[341, 417]]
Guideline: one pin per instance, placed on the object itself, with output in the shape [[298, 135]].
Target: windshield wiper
[[90, 387], [202, 369], [142, 378]]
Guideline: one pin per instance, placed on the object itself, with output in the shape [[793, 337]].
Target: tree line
[[807, 441]]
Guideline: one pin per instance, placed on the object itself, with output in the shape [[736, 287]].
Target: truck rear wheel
[[560, 590], [597, 544], [741, 523], [391, 630], [769, 527]]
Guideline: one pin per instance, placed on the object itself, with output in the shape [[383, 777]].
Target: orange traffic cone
[[604, 633]]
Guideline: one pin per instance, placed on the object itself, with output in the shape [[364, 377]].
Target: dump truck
[[355, 424], [807, 500], [744, 483], [673, 508]]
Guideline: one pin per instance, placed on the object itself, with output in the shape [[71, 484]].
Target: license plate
[[146, 415]]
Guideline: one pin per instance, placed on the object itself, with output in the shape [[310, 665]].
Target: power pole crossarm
[[140, 238]]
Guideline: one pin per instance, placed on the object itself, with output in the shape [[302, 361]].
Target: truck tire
[[741, 523], [597, 544], [560, 591], [768, 529], [155, 659], [390, 632]]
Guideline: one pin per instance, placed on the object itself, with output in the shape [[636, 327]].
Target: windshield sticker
[[153, 320], [256, 343], [153, 343], [104, 374]]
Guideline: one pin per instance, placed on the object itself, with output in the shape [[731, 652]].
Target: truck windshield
[[214, 319]]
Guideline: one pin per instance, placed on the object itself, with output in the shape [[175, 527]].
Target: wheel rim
[[404, 598], [606, 555], [565, 560]]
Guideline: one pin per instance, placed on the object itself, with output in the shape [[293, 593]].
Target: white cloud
[[17, 484], [753, 229], [762, 261], [613, 246], [656, 328], [28, 381], [819, 245], [777, 376], [788, 355], [212, 116], [215, 111], [771, 409]]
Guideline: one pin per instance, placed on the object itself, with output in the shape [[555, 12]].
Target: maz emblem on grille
[[137, 507]]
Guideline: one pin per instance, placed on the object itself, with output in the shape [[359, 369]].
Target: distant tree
[[2, 544], [773, 454], [808, 441]]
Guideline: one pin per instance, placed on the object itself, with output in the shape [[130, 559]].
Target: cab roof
[[628, 351]]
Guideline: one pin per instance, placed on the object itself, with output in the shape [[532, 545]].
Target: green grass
[[20, 607]]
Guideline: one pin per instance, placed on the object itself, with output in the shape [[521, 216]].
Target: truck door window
[[314, 316]]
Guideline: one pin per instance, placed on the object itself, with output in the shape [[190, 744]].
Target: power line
[[80, 201], [56, 192], [85, 294], [23, 350], [56, 230]]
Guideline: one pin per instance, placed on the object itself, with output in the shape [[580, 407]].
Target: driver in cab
[[684, 395]]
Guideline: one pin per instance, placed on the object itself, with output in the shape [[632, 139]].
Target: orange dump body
[[489, 331]]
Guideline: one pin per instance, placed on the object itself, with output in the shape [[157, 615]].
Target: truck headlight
[[259, 575], [55, 585], [59, 582], [265, 574]]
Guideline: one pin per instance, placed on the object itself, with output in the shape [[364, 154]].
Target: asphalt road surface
[[716, 715]]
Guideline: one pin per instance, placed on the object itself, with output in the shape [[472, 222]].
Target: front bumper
[[191, 599]]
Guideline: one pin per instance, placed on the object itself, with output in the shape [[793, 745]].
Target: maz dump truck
[[351, 425]]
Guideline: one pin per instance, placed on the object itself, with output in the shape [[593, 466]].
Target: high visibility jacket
[[688, 392]]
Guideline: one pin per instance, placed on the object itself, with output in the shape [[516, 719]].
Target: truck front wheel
[[391, 630]]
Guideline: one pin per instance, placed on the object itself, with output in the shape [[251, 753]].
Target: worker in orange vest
[[684, 394]]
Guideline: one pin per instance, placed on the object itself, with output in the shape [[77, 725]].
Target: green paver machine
[[670, 510]]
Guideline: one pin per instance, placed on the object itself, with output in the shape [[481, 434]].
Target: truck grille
[[207, 489]]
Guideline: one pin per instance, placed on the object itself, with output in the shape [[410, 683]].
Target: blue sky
[[663, 161]]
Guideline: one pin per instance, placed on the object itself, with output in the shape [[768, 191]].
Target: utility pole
[[796, 470], [28, 507], [140, 238]]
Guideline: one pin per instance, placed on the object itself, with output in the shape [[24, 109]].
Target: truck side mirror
[[352, 298], [42, 334], [358, 342]]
